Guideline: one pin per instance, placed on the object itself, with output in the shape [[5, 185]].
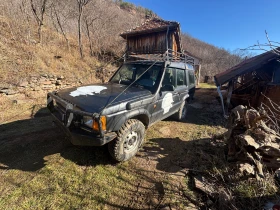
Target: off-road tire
[[182, 112], [132, 132]]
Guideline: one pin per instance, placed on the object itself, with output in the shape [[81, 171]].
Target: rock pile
[[7, 89]]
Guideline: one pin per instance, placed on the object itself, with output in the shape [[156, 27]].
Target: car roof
[[180, 65]]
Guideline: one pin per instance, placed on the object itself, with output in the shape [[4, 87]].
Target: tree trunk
[[89, 38], [39, 16], [61, 28], [81, 4], [80, 31]]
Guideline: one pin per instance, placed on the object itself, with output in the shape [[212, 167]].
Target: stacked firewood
[[253, 139]]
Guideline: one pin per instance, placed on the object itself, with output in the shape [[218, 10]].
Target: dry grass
[[19, 106], [207, 85], [41, 170], [20, 59]]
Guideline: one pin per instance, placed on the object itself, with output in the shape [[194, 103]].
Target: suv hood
[[93, 98]]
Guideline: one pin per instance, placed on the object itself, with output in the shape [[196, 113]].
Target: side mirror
[[167, 87]]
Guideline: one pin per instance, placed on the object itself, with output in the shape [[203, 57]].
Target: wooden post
[[197, 73]]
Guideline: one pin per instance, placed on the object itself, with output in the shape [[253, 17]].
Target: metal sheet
[[246, 66]]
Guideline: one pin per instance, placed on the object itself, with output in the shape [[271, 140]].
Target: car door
[[168, 99], [182, 85]]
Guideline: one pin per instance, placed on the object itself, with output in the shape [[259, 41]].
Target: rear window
[[191, 78], [175, 77], [181, 77]]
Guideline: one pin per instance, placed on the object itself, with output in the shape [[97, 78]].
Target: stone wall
[[44, 82]]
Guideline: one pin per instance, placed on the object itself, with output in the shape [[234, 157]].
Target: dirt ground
[[40, 169]]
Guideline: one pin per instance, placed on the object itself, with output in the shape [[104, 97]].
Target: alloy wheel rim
[[130, 142]]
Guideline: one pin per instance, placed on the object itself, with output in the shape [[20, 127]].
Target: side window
[[149, 78], [191, 77], [169, 77], [181, 77]]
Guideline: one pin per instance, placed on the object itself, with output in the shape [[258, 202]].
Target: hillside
[[33, 42], [214, 59], [50, 44], [42, 37]]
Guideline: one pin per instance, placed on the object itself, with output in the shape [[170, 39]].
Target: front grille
[[60, 108]]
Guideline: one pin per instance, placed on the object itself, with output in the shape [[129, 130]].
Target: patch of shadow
[[204, 158], [25, 143], [43, 112], [174, 154], [88, 156], [205, 116]]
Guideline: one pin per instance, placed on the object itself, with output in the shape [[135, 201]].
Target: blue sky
[[230, 24]]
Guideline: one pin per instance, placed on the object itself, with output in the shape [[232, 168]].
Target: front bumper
[[65, 115]]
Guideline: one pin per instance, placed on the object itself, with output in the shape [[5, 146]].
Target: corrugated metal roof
[[150, 26], [246, 66]]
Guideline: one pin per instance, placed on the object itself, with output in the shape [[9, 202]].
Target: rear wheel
[[129, 139]]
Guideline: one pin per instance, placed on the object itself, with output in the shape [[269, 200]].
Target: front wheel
[[129, 139]]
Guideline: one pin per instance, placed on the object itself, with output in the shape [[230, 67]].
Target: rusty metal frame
[[168, 55]]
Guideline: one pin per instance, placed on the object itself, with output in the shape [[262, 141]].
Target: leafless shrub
[[57, 21], [272, 112], [270, 45], [39, 9], [81, 5]]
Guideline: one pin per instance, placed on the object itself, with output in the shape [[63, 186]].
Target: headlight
[[88, 121], [93, 123]]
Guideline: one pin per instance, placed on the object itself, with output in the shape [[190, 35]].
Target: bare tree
[[89, 23], [39, 14], [89, 18], [81, 5], [60, 24], [269, 46]]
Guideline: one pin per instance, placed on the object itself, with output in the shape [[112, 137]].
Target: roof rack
[[168, 55]]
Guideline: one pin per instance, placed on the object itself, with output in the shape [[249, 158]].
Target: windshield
[[128, 73]]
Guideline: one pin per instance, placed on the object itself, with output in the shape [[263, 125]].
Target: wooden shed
[[253, 82], [154, 36]]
